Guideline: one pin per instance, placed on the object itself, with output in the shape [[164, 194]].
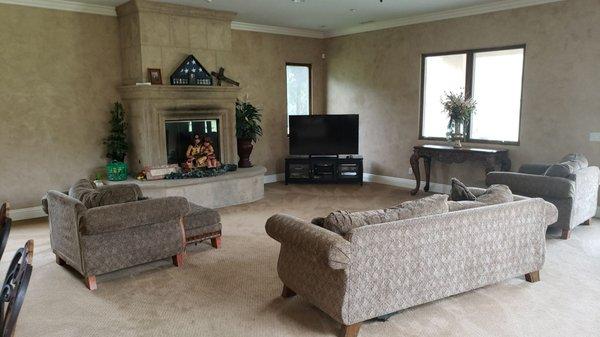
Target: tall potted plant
[[116, 145], [247, 130], [459, 110]]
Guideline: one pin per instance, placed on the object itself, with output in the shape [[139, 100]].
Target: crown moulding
[[151, 6]]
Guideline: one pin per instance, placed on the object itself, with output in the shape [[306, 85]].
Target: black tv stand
[[324, 169]]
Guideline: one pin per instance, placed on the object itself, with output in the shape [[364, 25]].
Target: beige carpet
[[234, 291]]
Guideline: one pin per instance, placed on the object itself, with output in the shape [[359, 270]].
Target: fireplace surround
[[149, 108]]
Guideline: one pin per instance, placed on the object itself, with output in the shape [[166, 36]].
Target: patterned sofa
[[380, 269]]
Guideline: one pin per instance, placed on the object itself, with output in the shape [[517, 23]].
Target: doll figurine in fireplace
[[201, 154]]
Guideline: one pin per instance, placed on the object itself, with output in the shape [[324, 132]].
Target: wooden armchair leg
[[287, 292], [534, 276], [90, 282], [566, 234], [216, 242], [178, 260], [350, 330], [60, 261]]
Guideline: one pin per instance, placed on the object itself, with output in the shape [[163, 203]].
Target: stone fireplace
[[157, 112]]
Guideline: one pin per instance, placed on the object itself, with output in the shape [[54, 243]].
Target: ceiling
[[335, 15]]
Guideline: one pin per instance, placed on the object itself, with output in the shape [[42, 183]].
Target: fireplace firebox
[[179, 134]]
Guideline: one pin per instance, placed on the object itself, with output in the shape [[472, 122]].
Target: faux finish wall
[[59, 74], [377, 74]]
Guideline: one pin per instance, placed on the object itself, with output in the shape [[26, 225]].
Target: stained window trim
[[310, 85], [469, 91]]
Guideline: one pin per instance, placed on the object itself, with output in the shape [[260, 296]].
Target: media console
[[324, 169]]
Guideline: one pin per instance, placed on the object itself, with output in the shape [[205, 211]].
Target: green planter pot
[[116, 171]]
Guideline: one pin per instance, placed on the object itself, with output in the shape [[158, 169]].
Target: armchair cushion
[[112, 218], [561, 170], [532, 185], [579, 159], [86, 192], [538, 169], [342, 222]]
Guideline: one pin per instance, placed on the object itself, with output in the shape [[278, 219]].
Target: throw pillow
[[579, 160], [342, 222], [561, 170], [496, 194], [460, 191]]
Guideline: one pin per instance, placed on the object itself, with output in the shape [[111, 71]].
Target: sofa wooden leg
[[178, 260], [534, 276], [350, 330], [566, 234], [287, 292], [60, 261], [587, 222], [90, 282], [216, 242]]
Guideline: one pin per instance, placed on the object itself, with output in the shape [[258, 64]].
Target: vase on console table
[[457, 134]]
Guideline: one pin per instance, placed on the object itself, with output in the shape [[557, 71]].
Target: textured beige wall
[[377, 74], [58, 77]]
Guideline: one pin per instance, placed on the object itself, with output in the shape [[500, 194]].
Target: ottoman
[[201, 224]]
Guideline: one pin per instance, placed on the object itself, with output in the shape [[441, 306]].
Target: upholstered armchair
[[101, 239], [571, 185]]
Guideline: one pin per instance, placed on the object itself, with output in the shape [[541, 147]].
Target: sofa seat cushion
[[342, 222], [460, 205], [201, 220]]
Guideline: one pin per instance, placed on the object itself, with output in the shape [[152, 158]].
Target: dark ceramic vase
[[244, 149]]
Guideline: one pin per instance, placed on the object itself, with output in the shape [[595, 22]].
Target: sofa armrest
[[538, 169], [328, 247], [532, 185], [112, 218]]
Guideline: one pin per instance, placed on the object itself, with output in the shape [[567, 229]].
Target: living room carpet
[[234, 291]]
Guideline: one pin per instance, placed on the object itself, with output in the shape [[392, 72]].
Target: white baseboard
[[273, 178], [405, 183], [26, 213]]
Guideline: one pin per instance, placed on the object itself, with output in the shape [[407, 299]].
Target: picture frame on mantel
[[154, 76]]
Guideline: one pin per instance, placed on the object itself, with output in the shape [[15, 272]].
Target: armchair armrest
[[112, 218], [328, 247], [532, 185], [538, 169]]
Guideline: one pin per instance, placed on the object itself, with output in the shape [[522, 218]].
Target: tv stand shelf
[[324, 169]]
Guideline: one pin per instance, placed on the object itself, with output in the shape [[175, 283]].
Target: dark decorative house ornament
[[222, 78], [191, 72]]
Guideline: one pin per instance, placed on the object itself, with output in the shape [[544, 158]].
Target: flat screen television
[[323, 134]]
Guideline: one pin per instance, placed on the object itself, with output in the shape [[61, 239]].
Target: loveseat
[[97, 231], [380, 269], [571, 185]]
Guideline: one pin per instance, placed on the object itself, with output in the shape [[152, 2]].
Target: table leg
[[427, 162], [414, 163]]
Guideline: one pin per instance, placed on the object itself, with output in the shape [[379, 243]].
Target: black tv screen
[[323, 135]]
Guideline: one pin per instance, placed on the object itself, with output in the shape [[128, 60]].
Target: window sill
[[472, 141]]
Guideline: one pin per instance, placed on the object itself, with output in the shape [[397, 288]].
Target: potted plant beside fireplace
[[116, 145], [247, 130]]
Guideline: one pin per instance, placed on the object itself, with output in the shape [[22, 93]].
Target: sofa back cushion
[[342, 222], [86, 192]]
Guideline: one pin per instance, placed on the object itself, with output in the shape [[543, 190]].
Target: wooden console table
[[492, 158]]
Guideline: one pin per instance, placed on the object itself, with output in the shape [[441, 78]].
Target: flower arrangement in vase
[[459, 110]]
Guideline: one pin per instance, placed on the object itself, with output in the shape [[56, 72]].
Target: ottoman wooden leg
[[178, 260], [566, 234], [216, 242]]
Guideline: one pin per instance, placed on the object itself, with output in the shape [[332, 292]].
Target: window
[[492, 77], [298, 89]]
